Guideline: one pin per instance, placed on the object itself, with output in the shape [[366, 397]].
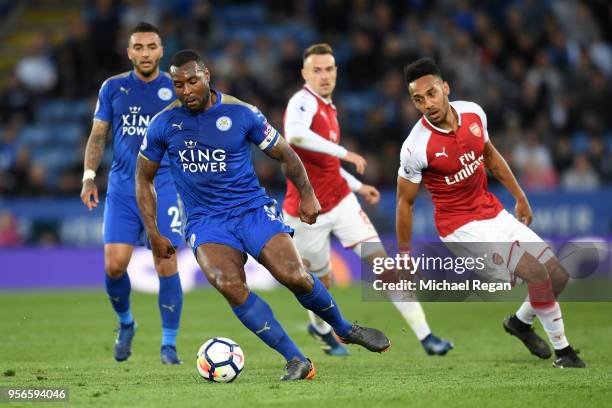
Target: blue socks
[[257, 316], [119, 294], [323, 305], [170, 301]]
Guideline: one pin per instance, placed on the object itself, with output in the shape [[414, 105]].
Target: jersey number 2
[[175, 225]]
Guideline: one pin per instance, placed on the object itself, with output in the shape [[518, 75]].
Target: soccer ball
[[220, 360]]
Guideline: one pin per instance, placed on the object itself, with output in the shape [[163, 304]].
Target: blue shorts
[[123, 224], [248, 232]]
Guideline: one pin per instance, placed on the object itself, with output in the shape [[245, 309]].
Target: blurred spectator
[[17, 182], [202, 14], [540, 70], [8, 145], [581, 175], [362, 68], [139, 10], [15, 99], [77, 60], [226, 65], [290, 63], [599, 158], [534, 177], [543, 76], [104, 29], [9, 232], [577, 20], [171, 39], [563, 154], [263, 61], [36, 71], [531, 151], [37, 181], [330, 16]]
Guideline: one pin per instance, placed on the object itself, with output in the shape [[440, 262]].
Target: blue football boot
[[169, 355], [123, 343], [434, 345]]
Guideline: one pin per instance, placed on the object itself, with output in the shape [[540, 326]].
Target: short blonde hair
[[318, 49]]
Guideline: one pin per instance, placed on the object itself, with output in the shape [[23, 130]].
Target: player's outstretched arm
[[498, 166], [406, 195], [294, 170], [147, 204], [94, 152]]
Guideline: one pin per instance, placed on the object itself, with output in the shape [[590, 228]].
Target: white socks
[[413, 313], [525, 313], [321, 325], [552, 321]]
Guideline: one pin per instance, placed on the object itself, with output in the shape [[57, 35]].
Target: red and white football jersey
[[319, 115], [451, 166]]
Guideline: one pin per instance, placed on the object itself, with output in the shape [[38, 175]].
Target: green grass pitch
[[64, 339]]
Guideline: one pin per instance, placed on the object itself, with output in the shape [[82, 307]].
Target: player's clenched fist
[[523, 211], [369, 193], [88, 191], [309, 209], [162, 247]]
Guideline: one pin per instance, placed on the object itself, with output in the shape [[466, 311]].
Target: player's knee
[[292, 274], [115, 268], [297, 279], [558, 275], [299, 283], [234, 290], [530, 270], [166, 267]]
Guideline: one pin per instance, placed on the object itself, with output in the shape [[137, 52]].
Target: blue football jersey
[[210, 154], [129, 104]]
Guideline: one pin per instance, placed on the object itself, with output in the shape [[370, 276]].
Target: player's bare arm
[[294, 170], [94, 152], [406, 195], [498, 166], [147, 204]]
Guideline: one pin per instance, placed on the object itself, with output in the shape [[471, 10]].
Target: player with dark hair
[[311, 127], [207, 136], [126, 104], [448, 150]]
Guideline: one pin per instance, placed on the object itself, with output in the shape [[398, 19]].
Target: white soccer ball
[[220, 360]]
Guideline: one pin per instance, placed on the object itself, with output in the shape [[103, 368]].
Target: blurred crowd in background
[[540, 69]]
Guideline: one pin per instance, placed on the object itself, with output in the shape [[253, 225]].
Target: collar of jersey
[[429, 125], [325, 101], [136, 79]]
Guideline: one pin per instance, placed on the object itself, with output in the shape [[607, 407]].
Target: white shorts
[[347, 221], [501, 241]]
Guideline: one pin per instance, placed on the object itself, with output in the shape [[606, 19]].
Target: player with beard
[[126, 104], [448, 150], [207, 136]]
